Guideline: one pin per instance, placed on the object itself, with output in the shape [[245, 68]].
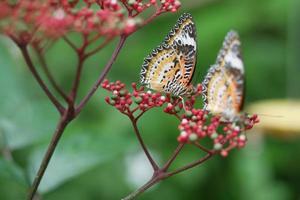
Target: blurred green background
[[98, 156]]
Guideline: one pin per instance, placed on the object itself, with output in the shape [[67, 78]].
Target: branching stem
[[101, 76], [34, 72], [50, 76]]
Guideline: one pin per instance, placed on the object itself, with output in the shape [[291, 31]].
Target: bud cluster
[[225, 135], [139, 5], [195, 124], [122, 99]]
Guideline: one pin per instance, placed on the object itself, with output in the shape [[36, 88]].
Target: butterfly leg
[[183, 103]]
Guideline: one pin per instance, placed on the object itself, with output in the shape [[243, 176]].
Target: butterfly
[[170, 67], [223, 86]]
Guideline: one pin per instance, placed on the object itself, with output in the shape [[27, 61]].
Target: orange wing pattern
[[170, 67], [223, 86]]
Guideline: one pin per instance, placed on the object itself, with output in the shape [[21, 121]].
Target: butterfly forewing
[[170, 67], [230, 54], [182, 38], [223, 86]]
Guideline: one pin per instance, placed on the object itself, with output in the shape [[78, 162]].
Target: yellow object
[[278, 116]]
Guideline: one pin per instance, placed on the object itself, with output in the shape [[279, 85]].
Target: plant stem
[[191, 165], [62, 124], [141, 141], [76, 79], [142, 189], [31, 67], [49, 75], [174, 155], [92, 52], [203, 148], [102, 75], [70, 43], [161, 173], [66, 115]]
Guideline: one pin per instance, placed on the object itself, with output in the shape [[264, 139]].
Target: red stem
[[31, 67], [161, 174], [173, 156], [140, 139], [49, 74], [142, 189], [76, 79], [101, 46], [203, 148], [63, 122], [81, 59], [70, 43], [68, 115], [191, 165]]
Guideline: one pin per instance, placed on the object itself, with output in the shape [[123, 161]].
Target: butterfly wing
[[230, 54], [223, 86], [182, 38], [170, 67]]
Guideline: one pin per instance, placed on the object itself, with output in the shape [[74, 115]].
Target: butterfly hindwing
[[170, 67], [223, 86], [164, 70]]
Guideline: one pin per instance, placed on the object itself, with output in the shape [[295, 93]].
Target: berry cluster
[[171, 5], [195, 124], [177, 104], [198, 124], [139, 5], [122, 99]]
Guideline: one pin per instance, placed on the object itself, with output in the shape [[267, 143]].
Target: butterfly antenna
[[268, 115]]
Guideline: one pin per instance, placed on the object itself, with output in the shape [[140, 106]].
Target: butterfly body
[[170, 67]]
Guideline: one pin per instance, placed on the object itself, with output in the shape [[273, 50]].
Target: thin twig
[[70, 43], [101, 46], [31, 67], [81, 59], [161, 174], [96, 37], [49, 75], [129, 10], [173, 156], [142, 189], [202, 148], [147, 21], [141, 141], [139, 115], [76, 82], [191, 165], [102, 75]]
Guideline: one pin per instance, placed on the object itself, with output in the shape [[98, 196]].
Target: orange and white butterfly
[[223, 86], [170, 67]]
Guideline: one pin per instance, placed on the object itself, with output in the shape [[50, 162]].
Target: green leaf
[[12, 181], [81, 151], [24, 117]]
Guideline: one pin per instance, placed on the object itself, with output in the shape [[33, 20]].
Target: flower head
[[55, 18]]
